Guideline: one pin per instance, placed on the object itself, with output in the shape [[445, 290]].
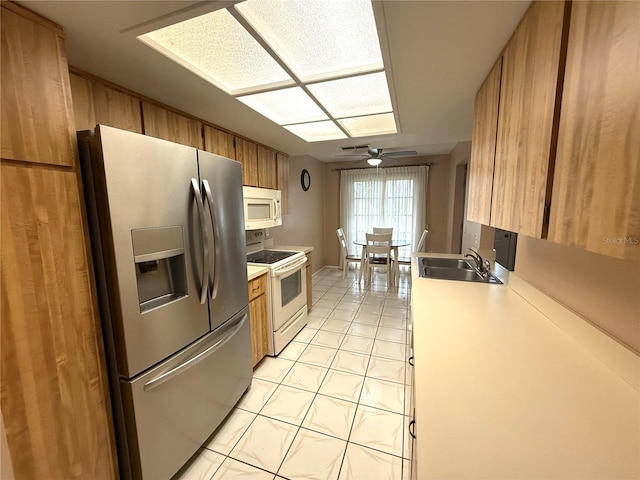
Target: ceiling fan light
[[374, 161]]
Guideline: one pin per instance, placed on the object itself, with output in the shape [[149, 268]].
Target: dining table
[[396, 243]]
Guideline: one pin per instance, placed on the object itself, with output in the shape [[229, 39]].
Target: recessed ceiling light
[[354, 96], [316, 131], [304, 64], [318, 39], [289, 105], [370, 125], [216, 47]]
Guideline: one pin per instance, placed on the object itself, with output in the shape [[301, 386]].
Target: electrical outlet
[[267, 233]]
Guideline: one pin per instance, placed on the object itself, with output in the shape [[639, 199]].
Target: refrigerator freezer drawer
[[174, 408]]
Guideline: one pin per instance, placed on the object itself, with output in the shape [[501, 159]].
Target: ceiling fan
[[374, 156]]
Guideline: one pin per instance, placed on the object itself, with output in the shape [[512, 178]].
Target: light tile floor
[[333, 405]]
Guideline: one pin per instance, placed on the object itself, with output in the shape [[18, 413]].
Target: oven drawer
[[288, 331]]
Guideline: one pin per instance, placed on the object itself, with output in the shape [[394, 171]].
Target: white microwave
[[261, 208]]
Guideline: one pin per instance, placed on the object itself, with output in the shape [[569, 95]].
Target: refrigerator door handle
[[195, 190], [214, 271], [219, 343]]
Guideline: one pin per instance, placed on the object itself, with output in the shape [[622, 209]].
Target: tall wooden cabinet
[[531, 71], [54, 393], [37, 114], [596, 190]]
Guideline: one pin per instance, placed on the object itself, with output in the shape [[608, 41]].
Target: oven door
[[289, 293]]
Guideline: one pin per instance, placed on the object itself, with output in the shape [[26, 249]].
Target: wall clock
[[305, 179]]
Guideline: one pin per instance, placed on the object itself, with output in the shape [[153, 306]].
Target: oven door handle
[[279, 272]]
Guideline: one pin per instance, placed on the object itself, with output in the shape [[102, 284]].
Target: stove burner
[[268, 256]]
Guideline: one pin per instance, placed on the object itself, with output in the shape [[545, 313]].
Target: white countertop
[[254, 272], [502, 392]]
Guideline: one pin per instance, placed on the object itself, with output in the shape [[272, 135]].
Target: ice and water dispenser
[[160, 266]]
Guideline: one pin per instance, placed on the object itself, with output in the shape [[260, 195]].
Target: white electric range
[[288, 292]]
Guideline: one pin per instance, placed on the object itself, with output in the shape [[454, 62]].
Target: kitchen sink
[[457, 263], [454, 269]]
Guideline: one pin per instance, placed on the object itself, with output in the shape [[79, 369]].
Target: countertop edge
[[255, 272]]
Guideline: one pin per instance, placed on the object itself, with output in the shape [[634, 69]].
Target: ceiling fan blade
[[352, 155], [404, 153]]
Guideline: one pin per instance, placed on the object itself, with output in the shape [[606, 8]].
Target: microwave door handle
[[275, 209], [214, 272], [295, 266], [195, 190]]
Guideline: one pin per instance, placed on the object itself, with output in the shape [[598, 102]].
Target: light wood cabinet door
[[282, 161], [37, 113], [309, 282], [596, 189], [483, 147], [55, 400], [267, 168], [247, 155], [258, 317], [171, 126], [219, 142], [95, 103], [527, 120]]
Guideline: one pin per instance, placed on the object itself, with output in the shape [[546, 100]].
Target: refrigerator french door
[[167, 233]]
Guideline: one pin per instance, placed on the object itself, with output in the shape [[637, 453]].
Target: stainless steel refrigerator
[[168, 240]]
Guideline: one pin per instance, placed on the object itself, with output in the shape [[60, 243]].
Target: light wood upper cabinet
[[282, 161], [219, 142], [267, 168], [37, 114], [483, 147], [258, 318], [171, 126], [247, 155], [527, 119], [95, 103], [596, 189]]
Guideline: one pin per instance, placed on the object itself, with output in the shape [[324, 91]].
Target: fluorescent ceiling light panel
[[316, 131], [289, 105], [216, 47], [318, 39], [354, 96], [370, 125]]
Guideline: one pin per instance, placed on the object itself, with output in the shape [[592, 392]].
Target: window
[[384, 197]]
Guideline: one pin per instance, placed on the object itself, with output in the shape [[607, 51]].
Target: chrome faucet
[[483, 266]]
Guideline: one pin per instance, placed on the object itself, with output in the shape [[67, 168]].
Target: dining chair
[[407, 260], [379, 255], [345, 258], [383, 230]]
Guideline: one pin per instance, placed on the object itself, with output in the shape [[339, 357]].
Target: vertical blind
[[385, 197]]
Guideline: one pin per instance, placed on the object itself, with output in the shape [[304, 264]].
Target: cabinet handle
[[411, 361], [412, 423], [256, 289]]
